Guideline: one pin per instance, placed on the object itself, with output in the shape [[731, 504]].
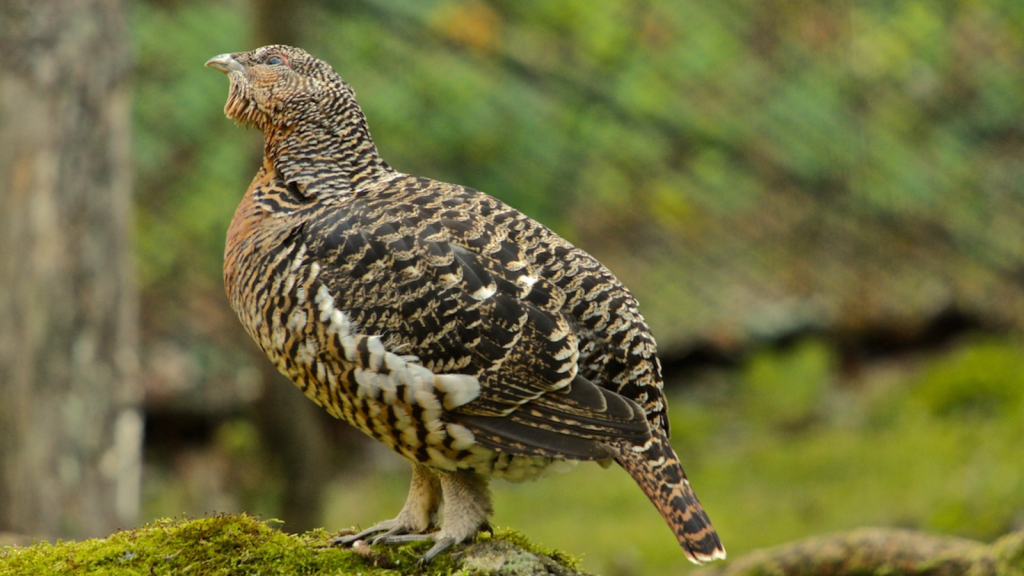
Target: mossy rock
[[883, 552], [241, 544]]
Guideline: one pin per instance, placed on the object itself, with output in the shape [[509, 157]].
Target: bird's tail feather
[[656, 468]]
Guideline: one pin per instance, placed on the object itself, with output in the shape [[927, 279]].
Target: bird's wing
[[446, 285]]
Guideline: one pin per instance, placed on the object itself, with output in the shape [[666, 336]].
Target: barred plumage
[[464, 335]]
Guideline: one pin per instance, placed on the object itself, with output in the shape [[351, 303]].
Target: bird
[[464, 335]]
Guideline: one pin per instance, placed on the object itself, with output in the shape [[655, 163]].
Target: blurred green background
[[820, 206]]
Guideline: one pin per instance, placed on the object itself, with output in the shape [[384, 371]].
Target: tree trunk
[[70, 426], [285, 417]]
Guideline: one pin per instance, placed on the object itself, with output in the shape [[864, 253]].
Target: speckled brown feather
[[461, 333]]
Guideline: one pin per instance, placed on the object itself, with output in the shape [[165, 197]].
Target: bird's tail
[[656, 468]]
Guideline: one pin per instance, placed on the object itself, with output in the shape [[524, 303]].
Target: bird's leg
[[418, 514], [467, 506]]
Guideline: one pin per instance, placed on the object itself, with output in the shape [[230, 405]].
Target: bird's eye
[[275, 60]]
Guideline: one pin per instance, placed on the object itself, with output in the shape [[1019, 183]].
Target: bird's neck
[[329, 155]]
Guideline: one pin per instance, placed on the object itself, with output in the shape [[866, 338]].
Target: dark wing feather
[[578, 422], [505, 434]]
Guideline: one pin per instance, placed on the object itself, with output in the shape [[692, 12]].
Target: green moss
[[1008, 554], [233, 544], [517, 539]]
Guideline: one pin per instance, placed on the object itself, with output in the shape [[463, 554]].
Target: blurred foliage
[[750, 170], [231, 474], [786, 387], [983, 381]]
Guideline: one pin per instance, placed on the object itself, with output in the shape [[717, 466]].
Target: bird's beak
[[225, 63]]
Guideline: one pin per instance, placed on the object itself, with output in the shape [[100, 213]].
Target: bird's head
[[277, 86], [313, 130]]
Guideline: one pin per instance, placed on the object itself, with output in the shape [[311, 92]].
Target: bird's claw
[[392, 536]]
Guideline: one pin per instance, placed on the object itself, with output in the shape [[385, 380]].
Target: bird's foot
[[442, 541], [383, 530], [393, 535], [389, 533], [467, 505]]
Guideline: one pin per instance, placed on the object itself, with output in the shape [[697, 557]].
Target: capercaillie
[[469, 338]]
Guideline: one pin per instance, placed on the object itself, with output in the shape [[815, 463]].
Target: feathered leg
[[467, 506]]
